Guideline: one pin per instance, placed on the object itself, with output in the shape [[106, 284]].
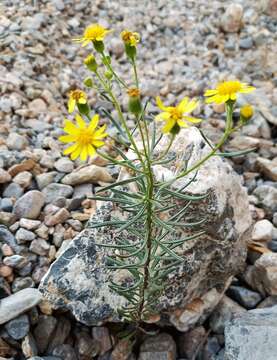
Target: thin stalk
[[108, 65], [167, 149]]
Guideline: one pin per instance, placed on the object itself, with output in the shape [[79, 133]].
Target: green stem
[[135, 72], [108, 65], [167, 149]]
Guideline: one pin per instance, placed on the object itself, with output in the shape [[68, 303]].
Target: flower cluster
[[87, 138]]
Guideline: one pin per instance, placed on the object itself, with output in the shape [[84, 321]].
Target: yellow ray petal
[[98, 143], [70, 149], [161, 105], [76, 153], [192, 119], [85, 43], [168, 126], [100, 132], [94, 122], [91, 150], [210, 92], [84, 153], [80, 121], [190, 106], [182, 104], [70, 128], [67, 138], [71, 105], [82, 100], [162, 116], [182, 123]]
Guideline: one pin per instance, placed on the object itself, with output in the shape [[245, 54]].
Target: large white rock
[[78, 280]]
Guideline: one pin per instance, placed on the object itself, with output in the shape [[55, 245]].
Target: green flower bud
[[134, 104], [131, 51], [175, 130], [108, 75], [83, 109], [88, 82], [98, 46], [91, 63]]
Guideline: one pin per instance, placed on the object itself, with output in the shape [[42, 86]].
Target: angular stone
[[23, 179], [245, 297], [62, 331], [29, 205], [159, 347], [13, 190], [190, 342], [44, 331], [88, 174], [252, 335], [23, 235], [262, 231], [102, 336], [268, 167], [78, 280], [4, 176], [223, 313], [18, 303], [16, 141], [29, 347], [232, 19], [267, 196], [55, 191], [18, 328]]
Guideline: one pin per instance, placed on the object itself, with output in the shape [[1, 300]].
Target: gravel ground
[[187, 46]]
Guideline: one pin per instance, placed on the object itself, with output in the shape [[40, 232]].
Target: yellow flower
[[227, 90], [246, 111], [86, 138], [76, 97], [130, 38], [176, 116], [93, 32]]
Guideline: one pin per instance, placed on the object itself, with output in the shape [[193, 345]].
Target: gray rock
[[189, 343], [223, 313], [158, 347], [4, 176], [18, 328], [40, 247], [29, 347], [252, 335], [220, 253], [29, 205], [18, 303], [6, 205], [102, 336], [22, 283], [13, 190], [16, 261], [64, 165], [267, 196], [210, 349], [16, 141], [232, 19], [87, 174], [268, 302], [7, 237], [247, 298], [86, 346], [45, 179], [55, 191], [62, 331], [262, 231], [23, 235], [65, 351], [44, 331], [246, 43]]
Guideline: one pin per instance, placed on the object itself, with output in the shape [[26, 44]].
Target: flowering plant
[[146, 255]]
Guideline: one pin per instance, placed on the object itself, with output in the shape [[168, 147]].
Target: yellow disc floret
[[93, 32], [226, 91], [246, 112], [86, 138], [177, 115]]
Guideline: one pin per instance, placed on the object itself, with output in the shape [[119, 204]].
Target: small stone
[[267, 196], [16, 261], [210, 349], [29, 205], [245, 297], [5, 270], [25, 165], [45, 179], [29, 347], [246, 43], [7, 218], [37, 107], [58, 218], [23, 235], [88, 174], [42, 231], [40, 247], [7, 237], [4, 176], [262, 231], [82, 191], [7, 250], [18, 328], [223, 313], [87, 347], [16, 142], [268, 302], [266, 272], [65, 352], [16, 304], [5, 290], [22, 283], [61, 333], [23, 179], [6, 205], [268, 167], [6, 350], [101, 334], [13, 191], [44, 331], [189, 342], [55, 191], [158, 347], [64, 165], [232, 18], [122, 350], [29, 224]]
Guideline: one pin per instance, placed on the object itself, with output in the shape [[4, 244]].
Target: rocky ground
[[187, 47]]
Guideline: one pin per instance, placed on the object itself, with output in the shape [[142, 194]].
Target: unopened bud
[[91, 63], [134, 101]]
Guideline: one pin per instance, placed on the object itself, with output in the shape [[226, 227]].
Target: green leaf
[[185, 196], [119, 183]]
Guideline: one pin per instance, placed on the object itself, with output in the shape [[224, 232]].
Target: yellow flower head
[[86, 138], [227, 90], [130, 38], [176, 116], [246, 112], [93, 32], [76, 97]]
